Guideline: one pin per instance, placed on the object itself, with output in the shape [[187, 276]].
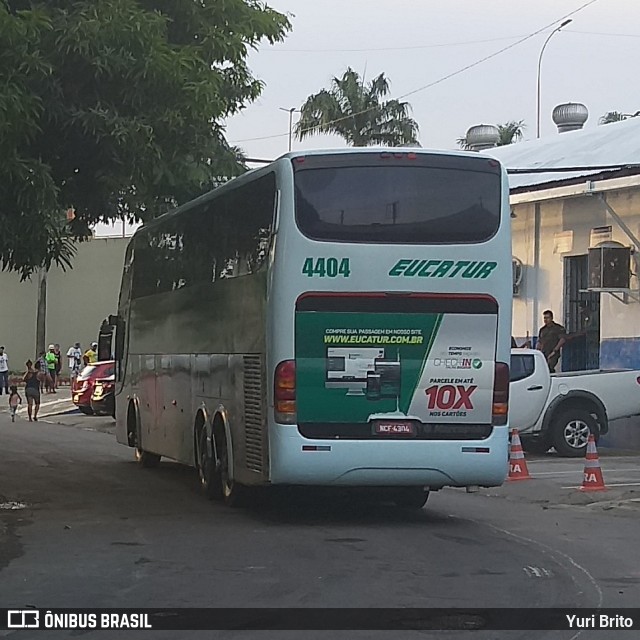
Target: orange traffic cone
[[517, 464], [592, 479]]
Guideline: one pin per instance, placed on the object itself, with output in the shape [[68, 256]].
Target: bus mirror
[[104, 343]]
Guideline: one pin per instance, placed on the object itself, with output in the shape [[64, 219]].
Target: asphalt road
[[97, 531]]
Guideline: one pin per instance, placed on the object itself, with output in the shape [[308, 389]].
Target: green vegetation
[[509, 132], [616, 116], [357, 112], [114, 108]]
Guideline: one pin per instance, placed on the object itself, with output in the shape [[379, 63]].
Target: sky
[[419, 42]]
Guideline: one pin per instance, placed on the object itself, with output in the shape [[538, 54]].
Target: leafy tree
[[357, 112], [616, 116], [509, 133], [114, 108]]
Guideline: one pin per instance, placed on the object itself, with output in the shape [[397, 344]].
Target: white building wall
[[535, 243], [623, 320]]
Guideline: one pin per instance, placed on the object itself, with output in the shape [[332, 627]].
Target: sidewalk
[[555, 484], [51, 405]]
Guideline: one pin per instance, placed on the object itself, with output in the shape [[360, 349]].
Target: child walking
[[15, 399]]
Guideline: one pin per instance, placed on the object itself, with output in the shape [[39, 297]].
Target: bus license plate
[[394, 429]]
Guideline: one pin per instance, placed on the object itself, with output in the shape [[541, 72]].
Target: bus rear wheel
[[147, 459], [208, 474], [412, 497], [233, 494]]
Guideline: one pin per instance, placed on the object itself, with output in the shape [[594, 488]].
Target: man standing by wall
[[91, 354], [4, 372], [551, 338], [51, 360], [75, 360]]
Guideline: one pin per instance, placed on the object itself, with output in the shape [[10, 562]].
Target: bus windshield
[[398, 204]]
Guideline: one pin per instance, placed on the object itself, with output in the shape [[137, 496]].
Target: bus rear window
[[398, 204]]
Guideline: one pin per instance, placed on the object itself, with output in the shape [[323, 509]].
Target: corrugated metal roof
[[610, 144]]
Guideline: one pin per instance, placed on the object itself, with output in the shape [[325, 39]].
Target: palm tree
[[616, 116], [462, 143], [509, 133], [357, 113]]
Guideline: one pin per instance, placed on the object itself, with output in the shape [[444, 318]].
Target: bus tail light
[[501, 394], [284, 393]]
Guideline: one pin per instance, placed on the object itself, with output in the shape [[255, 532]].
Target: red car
[[103, 397], [83, 385]]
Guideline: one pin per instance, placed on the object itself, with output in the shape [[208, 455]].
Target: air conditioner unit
[[609, 266], [518, 272]]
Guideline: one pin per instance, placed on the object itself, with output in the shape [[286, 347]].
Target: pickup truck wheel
[[570, 432]]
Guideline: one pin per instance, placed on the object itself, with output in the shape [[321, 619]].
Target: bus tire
[[233, 493], [570, 430], [147, 459], [412, 497], [208, 471]]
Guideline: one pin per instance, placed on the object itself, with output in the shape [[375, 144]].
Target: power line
[[443, 78], [411, 47], [439, 45], [497, 53]]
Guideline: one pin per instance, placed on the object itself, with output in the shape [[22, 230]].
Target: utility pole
[[290, 111]]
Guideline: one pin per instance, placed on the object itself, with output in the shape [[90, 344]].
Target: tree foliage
[[357, 112], [509, 132], [115, 108], [616, 116]]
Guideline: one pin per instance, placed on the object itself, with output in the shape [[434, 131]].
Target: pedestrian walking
[[33, 379], [4, 371], [15, 399]]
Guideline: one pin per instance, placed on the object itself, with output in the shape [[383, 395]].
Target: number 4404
[[326, 267]]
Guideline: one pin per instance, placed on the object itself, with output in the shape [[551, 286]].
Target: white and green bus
[[336, 318]]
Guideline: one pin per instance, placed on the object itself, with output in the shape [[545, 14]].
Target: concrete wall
[[77, 301]]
